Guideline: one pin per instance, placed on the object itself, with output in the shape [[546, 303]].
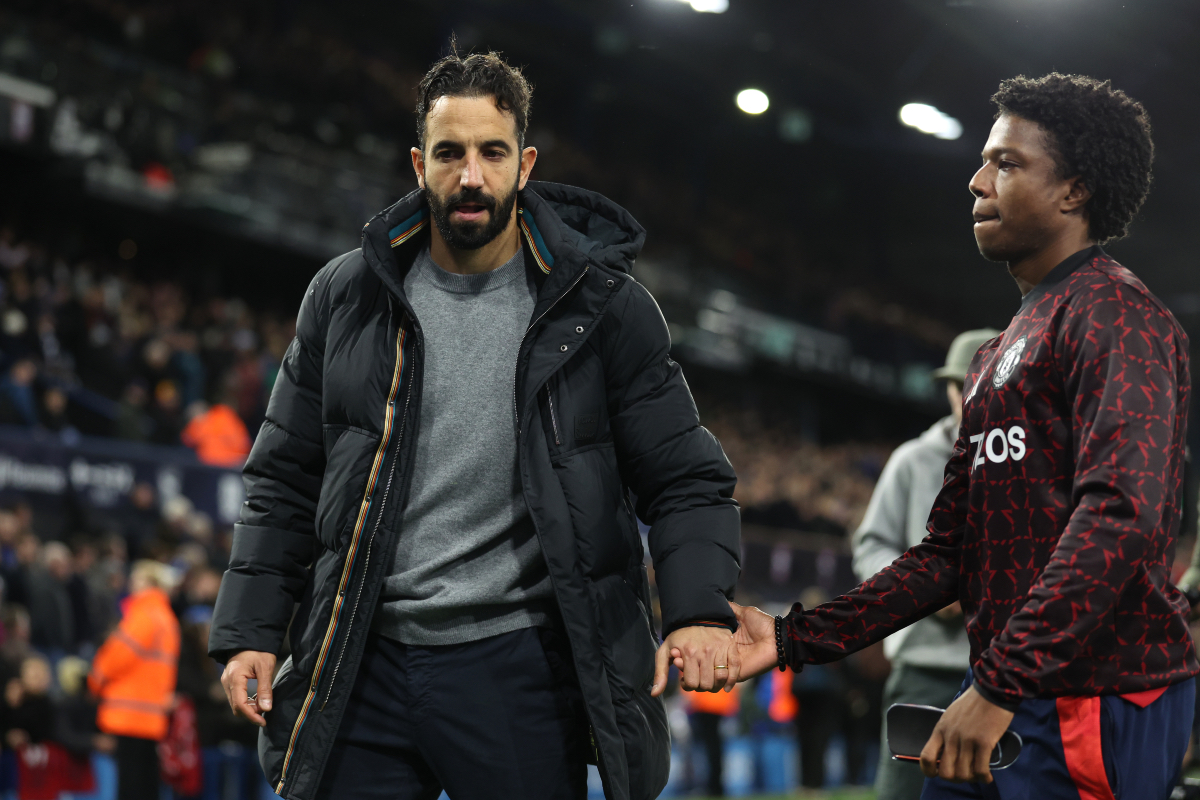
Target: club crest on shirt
[[1008, 363]]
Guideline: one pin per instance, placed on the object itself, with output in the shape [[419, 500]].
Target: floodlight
[[928, 119], [708, 6], [752, 101]]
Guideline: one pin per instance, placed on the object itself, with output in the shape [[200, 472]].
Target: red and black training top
[[1056, 524]]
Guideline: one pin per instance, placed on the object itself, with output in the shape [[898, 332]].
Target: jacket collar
[[561, 227]]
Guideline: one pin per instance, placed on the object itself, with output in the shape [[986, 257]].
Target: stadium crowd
[[89, 348], [71, 613]]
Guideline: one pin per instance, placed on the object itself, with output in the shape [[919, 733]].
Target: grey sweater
[[468, 564], [895, 521]]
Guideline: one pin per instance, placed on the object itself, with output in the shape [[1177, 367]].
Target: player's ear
[[528, 157], [1076, 197], [418, 162]]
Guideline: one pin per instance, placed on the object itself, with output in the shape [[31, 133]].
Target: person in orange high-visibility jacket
[[218, 436], [133, 675], [705, 711]]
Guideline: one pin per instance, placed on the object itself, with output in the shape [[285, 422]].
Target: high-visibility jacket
[[134, 671], [218, 436], [722, 703]]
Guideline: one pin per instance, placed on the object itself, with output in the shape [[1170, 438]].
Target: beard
[[471, 235]]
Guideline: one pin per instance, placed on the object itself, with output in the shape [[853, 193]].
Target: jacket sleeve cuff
[[994, 697], [794, 651]]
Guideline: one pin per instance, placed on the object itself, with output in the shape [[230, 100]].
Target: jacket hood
[[586, 221], [559, 223]]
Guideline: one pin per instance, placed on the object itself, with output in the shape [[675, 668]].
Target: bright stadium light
[[752, 101], [928, 119], [708, 6]]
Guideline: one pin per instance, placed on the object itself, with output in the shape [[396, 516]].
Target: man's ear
[[418, 161], [528, 157], [1077, 196]]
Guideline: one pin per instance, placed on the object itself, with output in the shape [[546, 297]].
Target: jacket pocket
[[554, 429], [627, 646]]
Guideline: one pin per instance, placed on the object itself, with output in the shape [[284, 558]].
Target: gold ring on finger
[[720, 666]]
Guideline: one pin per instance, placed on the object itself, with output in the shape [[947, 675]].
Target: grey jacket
[[895, 521]]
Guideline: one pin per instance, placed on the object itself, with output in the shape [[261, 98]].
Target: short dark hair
[[1096, 132], [477, 75]]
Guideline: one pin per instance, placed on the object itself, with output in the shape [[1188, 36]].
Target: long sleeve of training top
[[1057, 521]]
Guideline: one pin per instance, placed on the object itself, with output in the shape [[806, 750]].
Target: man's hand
[[960, 748], [240, 669], [698, 651], [755, 640]]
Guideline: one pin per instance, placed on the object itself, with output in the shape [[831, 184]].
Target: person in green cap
[[929, 657]]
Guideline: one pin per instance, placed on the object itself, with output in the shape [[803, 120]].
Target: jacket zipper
[[389, 418], [367, 558], [553, 418], [574, 283]]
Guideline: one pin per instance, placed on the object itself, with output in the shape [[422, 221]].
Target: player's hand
[[755, 640], [697, 652], [240, 669], [960, 748]]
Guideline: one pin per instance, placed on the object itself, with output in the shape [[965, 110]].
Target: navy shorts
[[1110, 747]]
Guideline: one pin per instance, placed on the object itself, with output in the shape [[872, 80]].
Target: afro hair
[[1096, 132]]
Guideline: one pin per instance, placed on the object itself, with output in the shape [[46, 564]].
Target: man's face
[[471, 169], [1020, 201], [954, 395]]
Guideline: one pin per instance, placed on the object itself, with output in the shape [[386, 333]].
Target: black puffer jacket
[[600, 413]]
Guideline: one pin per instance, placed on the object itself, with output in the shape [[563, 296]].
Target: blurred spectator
[[28, 712], [50, 607], [18, 401], [786, 481], [228, 743], [75, 727], [134, 675], [706, 712], [217, 434], [16, 647]]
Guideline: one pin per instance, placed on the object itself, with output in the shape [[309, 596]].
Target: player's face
[[471, 169], [1018, 193]]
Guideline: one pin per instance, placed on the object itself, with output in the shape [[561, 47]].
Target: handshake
[[712, 659]]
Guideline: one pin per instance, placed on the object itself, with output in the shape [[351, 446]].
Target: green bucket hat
[[962, 350]]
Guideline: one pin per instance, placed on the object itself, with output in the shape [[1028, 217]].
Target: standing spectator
[[929, 657], [217, 434], [50, 607], [75, 723], [83, 560], [134, 676], [228, 743], [16, 646], [707, 710], [18, 402], [28, 713]]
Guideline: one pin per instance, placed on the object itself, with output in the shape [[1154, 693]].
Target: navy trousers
[[502, 717], [1090, 748]]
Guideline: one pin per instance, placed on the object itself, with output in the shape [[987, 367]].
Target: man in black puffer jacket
[[441, 505]]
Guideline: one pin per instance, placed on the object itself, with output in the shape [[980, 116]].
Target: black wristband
[[782, 662]]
